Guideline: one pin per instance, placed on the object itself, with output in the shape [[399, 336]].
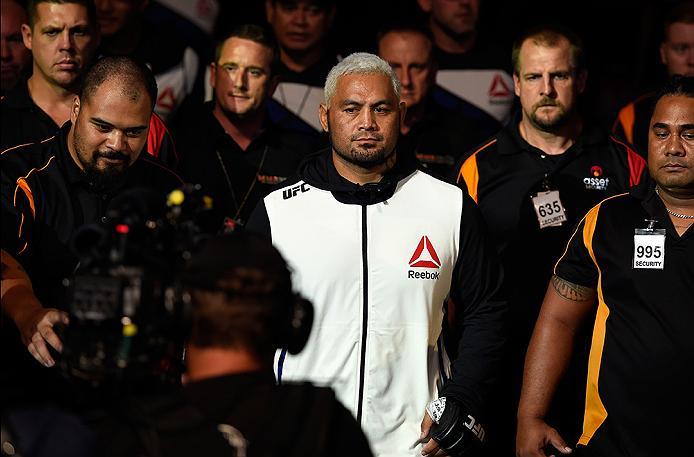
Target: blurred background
[[621, 37]]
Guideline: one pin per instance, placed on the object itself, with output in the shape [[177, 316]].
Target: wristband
[[455, 431]]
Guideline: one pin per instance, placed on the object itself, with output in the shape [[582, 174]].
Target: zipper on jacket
[[365, 314]]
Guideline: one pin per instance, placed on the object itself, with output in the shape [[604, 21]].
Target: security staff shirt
[[507, 171], [641, 367]]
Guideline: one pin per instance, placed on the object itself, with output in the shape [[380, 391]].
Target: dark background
[[621, 37]]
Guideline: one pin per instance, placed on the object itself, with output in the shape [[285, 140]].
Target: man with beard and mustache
[[49, 190], [388, 255], [532, 182]]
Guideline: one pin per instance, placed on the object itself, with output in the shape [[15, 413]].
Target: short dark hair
[[133, 76], [677, 85], [258, 34], [549, 35], [32, 12], [241, 289]]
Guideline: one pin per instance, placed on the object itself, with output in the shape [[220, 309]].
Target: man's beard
[[362, 157], [104, 178], [549, 125]]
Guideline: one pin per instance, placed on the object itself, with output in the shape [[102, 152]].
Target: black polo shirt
[[507, 171], [641, 367], [22, 120], [237, 179], [442, 136]]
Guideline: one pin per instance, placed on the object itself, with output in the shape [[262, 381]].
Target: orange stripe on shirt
[[26, 144], [21, 224], [26, 245], [595, 412], [26, 189], [578, 226], [22, 184], [470, 173]]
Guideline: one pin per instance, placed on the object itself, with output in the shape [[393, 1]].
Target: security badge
[[548, 208], [649, 247]]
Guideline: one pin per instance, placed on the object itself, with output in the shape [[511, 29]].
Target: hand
[[534, 435], [36, 328], [431, 448]]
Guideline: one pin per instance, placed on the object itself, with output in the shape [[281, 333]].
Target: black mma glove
[[455, 431]]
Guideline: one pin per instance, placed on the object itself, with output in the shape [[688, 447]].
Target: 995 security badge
[[649, 249], [548, 208]]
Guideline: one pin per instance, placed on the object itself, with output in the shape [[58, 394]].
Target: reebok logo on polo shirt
[[424, 256]]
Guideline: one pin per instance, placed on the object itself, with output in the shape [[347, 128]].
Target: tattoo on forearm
[[572, 291]]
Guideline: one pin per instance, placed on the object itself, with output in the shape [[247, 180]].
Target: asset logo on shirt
[[595, 181], [424, 256]]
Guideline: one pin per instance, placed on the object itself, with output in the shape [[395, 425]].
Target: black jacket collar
[[319, 171]]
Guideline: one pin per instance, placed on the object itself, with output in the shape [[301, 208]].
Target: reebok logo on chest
[[424, 256]]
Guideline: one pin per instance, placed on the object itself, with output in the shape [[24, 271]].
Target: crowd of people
[[425, 249]]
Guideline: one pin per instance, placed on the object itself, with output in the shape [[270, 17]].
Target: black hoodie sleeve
[[476, 314]]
